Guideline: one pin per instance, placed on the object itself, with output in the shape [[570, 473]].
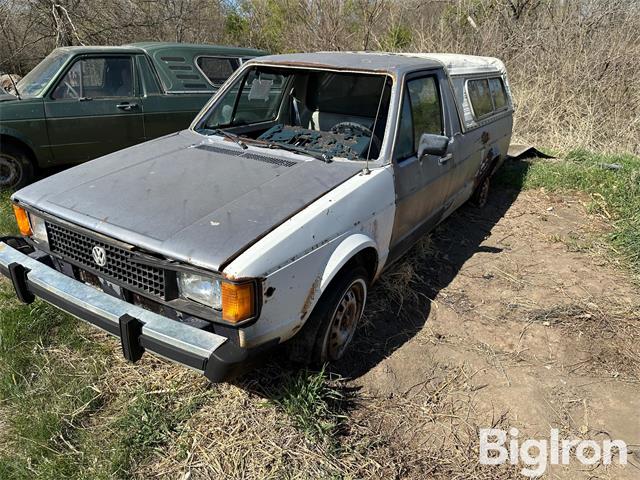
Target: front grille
[[77, 248]]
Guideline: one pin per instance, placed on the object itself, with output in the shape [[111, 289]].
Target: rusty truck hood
[[189, 198]]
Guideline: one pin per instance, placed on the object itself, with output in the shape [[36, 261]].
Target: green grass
[[43, 394], [7, 221], [614, 193], [148, 423], [312, 403]]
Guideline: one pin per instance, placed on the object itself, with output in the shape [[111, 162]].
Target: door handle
[[445, 159], [127, 106]]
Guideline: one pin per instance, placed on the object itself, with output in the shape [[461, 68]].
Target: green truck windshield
[[34, 82]]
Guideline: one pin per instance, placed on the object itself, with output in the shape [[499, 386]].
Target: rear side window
[[146, 71], [217, 69], [480, 97], [498, 93], [486, 96]]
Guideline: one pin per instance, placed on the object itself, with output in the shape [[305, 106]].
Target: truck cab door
[[422, 184], [94, 109]]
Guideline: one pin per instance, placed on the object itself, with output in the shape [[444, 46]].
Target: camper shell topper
[[267, 221]]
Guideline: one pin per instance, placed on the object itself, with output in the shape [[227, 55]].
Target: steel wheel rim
[[345, 319], [9, 171]]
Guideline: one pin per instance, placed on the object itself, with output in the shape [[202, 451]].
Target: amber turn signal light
[[238, 301], [22, 217]]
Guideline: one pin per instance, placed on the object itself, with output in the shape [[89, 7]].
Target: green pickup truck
[[80, 103]]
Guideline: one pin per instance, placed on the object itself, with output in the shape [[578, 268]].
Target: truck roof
[[392, 63], [167, 47]]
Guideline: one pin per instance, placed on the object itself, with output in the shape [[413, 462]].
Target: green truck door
[[94, 109], [168, 113]]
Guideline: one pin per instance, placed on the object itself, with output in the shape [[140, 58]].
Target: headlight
[[236, 300], [38, 229], [201, 289]]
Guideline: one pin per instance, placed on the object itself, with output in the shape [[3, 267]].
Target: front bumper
[[139, 329]]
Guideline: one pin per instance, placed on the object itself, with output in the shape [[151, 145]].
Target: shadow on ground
[[392, 319]]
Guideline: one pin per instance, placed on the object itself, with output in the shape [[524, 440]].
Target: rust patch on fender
[[308, 302]]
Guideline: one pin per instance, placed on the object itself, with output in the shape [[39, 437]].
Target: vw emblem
[[99, 256]]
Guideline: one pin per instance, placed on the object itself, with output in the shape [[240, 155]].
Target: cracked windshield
[[323, 114]]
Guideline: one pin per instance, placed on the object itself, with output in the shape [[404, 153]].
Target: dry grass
[[402, 285], [237, 433], [570, 66]]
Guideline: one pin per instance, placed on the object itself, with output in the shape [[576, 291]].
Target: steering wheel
[[354, 128]]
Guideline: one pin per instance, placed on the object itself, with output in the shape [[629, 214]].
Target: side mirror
[[431, 144]]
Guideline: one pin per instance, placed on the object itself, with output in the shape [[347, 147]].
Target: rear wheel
[[481, 194], [16, 170], [333, 322]]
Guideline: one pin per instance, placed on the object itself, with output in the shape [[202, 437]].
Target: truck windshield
[[333, 114], [34, 82]]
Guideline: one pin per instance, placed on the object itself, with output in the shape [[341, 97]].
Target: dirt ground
[[511, 316]]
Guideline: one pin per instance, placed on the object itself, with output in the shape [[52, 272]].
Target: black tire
[[481, 194], [317, 342], [16, 169]]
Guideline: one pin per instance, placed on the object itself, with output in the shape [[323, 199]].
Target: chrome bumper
[[138, 329]]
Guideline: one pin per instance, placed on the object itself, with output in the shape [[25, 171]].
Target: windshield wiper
[[231, 136], [292, 148], [273, 145]]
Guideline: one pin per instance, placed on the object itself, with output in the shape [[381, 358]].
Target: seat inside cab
[[322, 100]]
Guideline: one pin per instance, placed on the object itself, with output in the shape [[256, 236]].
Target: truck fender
[[15, 135], [347, 249]]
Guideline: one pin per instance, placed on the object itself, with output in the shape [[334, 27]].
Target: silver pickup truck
[[268, 219]]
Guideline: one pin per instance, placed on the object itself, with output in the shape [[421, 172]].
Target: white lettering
[[536, 455], [486, 446], [539, 461]]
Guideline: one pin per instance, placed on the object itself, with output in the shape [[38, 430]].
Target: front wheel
[[16, 170], [333, 322]]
